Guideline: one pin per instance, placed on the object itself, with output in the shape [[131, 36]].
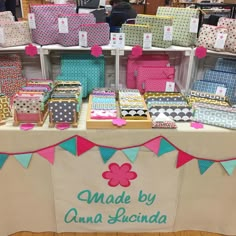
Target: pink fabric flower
[[96, 51], [137, 51], [196, 125], [119, 122], [200, 52], [31, 50], [119, 175]]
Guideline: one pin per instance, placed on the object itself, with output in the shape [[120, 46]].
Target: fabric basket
[[46, 20], [215, 115], [157, 24], [134, 33], [14, 33], [6, 16], [227, 65], [74, 21], [208, 35], [5, 110], [230, 24], [207, 86], [181, 24]]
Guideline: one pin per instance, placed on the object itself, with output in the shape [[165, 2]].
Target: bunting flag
[[153, 145], [48, 153], [131, 153], [204, 165], [183, 158], [3, 158], [83, 145], [24, 159], [165, 147], [69, 145], [107, 153], [229, 166]]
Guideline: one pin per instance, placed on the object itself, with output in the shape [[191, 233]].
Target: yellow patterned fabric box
[[157, 24], [5, 110], [134, 33]]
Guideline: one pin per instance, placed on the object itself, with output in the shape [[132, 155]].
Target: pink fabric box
[[74, 21], [46, 20], [97, 34]]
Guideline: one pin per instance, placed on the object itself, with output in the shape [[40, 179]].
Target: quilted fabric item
[[223, 77], [157, 24], [206, 86], [7, 16], [74, 21], [5, 110], [151, 78], [97, 34], [134, 33], [208, 35], [46, 19], [14, 33], [144, 60], [181, 24], [227, 65], [215, 115], [230, 24]]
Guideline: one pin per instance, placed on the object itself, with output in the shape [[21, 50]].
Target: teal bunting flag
[[69, 145], [24, 159], [165, 147], [131, 153], [3, 158], [204, 165], [107, 153], [229, 166]]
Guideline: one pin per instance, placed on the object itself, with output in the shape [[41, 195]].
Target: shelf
[[17, 48], [170, 49]]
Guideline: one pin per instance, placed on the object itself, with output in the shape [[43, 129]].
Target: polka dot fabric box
[[181, 24]]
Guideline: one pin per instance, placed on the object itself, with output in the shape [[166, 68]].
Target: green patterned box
[[181, 24], [157, 24], [134, 33]]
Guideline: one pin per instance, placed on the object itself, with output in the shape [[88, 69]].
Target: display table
[[62, 192]]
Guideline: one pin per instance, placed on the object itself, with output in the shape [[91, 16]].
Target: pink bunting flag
[[153, 145], [83, 145], [183, 158], [48, 153]]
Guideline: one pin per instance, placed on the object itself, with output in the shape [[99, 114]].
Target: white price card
[[168, 33], [83, 39], [2, 38], [194, 25], [147, 41], [220, 40], [221, 91], [117, 40], [170, 86], [31, 20], [63, 25], [113, 40]]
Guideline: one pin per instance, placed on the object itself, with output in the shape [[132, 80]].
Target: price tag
[[63, 25], [31, 20], [168, 33], [147, 41], [83, 39], [220, 40], [118, 40], [2, 38], [221, 91], [194, 25], [170, 87]]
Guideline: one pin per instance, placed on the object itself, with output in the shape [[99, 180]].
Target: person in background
[[2, 5], [121, 11], [11, 6]]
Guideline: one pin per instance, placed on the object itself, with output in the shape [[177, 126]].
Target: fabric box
[[74, 21], [223, 77], [227, 65], [215, 115], [97, 34], [207, 86], [144, 60], [181, 24], [6, 16], [134, 33], [230, 24], [5, 110], [208, 35], [157, 24], [14, 33], [46, 20]]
